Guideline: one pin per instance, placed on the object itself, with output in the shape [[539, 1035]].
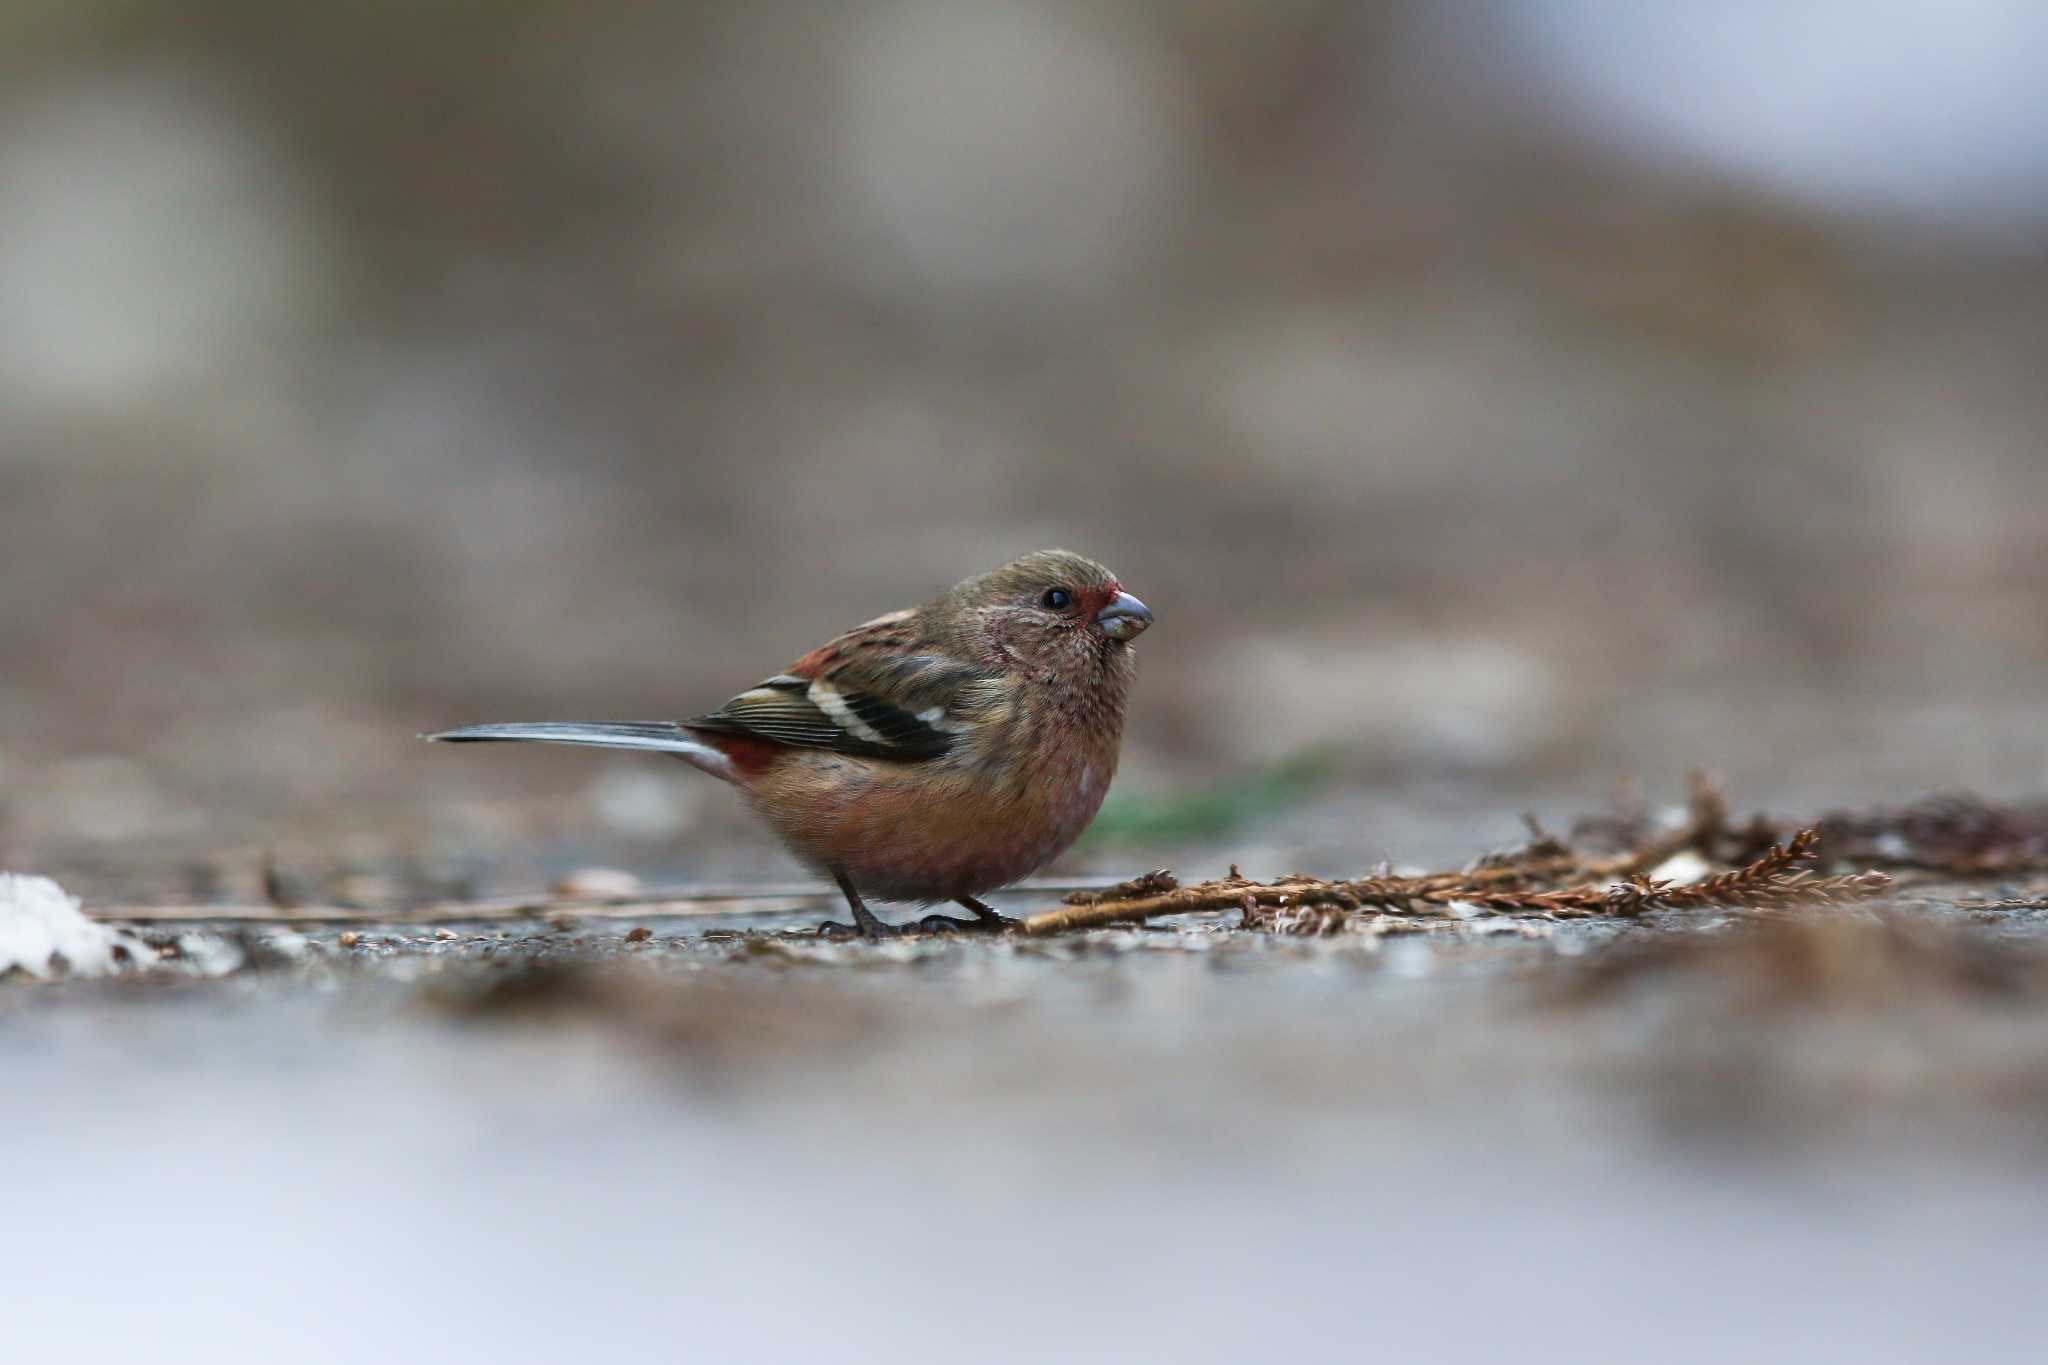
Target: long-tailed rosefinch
[[932, 754]]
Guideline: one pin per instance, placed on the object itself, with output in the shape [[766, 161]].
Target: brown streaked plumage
[[932, 754]]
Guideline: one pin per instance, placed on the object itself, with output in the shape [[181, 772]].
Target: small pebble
[[445, 935], [639, 934], [350, 939]]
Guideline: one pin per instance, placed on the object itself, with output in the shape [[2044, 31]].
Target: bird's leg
[[864, 925], [987, 920]]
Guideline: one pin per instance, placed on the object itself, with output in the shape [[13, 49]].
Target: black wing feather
[[861, 706]]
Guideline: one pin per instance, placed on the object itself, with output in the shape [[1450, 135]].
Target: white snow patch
[[43, 932], [208, 955]]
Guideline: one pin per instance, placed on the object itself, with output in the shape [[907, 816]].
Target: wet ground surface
[[1817, 1135]]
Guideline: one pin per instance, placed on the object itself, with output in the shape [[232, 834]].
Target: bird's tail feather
[[650, 736]]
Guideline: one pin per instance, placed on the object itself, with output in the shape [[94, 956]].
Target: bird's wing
[[875, 691]]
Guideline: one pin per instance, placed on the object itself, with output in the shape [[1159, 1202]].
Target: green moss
[[1211, 810]]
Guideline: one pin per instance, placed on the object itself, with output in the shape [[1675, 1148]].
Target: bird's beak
[[1124, 617]]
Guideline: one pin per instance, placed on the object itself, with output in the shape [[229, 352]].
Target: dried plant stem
[[1777, 879]]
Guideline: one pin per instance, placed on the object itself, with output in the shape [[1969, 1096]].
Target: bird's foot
[[865, 926], [869, 930], [953, 924]]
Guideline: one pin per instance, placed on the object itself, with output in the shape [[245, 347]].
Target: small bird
[[931, 755]]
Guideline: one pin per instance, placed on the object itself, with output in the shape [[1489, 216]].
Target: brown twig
[[1778, 879]]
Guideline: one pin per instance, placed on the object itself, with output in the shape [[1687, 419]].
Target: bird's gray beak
[[1124, 617]]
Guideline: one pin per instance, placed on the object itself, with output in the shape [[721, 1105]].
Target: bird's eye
[[1059, 599]]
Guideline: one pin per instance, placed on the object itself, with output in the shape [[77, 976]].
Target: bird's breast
[[938, 830]]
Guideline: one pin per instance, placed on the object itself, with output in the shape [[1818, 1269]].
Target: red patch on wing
[[815, 662]]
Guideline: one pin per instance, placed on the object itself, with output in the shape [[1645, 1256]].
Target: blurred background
[[1492, 398]]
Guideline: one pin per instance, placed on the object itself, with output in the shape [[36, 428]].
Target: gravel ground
[[1692, 1137]]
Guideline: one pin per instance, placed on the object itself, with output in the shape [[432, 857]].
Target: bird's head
[[1051, 607]]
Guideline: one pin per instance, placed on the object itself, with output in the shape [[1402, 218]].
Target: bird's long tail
[[650, 736]]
